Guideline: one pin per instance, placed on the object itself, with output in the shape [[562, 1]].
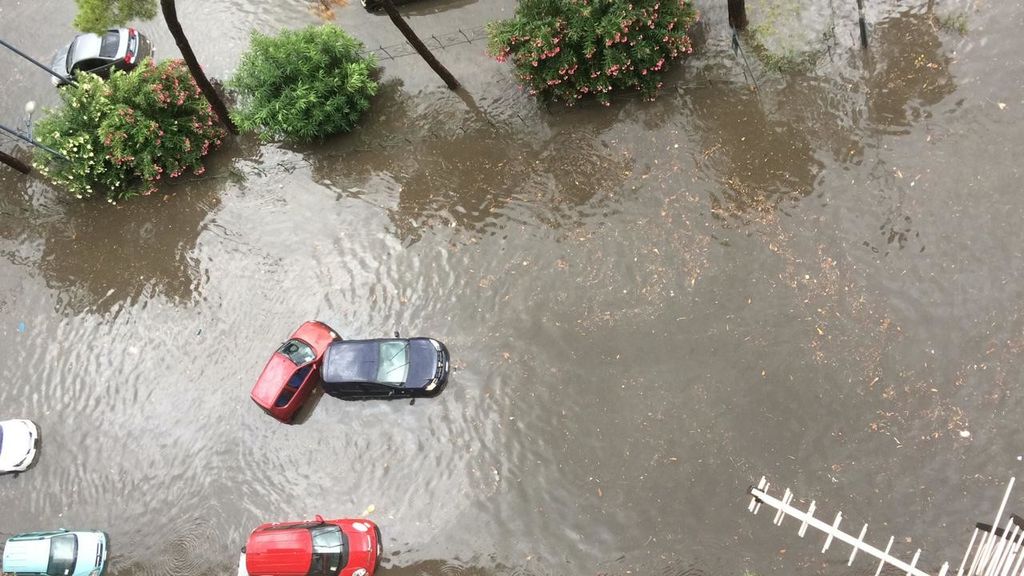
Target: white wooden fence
[[997, 553]]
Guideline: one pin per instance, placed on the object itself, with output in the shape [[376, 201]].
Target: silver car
[[116, 49]]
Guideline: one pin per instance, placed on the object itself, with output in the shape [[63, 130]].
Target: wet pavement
[[648, 306]]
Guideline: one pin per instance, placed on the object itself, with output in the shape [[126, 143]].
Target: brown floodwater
[[648, 306]]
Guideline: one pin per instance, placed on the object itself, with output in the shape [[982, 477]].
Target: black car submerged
[[385, 368]]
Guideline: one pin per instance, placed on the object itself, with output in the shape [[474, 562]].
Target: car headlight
[[432, 385], [437, 345], [360, 572]]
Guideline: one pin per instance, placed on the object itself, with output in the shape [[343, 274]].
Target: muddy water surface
[[649, 306]]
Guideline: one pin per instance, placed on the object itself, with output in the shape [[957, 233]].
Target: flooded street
[[648, 306]]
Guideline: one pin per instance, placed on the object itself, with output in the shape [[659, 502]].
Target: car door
[[374, 390]]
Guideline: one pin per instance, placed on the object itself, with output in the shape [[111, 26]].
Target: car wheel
[[380, 549]]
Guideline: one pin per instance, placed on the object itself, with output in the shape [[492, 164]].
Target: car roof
[[29, 555], [282, 552], [275, 374], [89, 45], [358, 360]]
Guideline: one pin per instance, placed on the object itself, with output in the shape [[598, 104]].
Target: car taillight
[[129, 56]]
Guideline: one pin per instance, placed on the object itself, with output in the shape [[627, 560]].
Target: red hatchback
[[318, 548], [293, 371]]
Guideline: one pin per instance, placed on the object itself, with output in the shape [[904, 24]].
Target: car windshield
[[328, 550], [109, 44], [297, 351], [394, 361], [63, 552], [70, 61]]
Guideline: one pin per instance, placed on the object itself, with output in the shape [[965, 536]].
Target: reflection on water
[[907, 71], [461, 169], [648, 305], [761, 158]]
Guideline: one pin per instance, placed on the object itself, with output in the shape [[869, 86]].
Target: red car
[[293, 371], [319, 548]]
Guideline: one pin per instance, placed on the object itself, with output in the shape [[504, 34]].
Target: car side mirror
[[397, 335], [412, 402]]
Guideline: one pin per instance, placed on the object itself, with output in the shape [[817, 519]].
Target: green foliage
[[121, 136], [98, 15], [303, 84], [954, 22], [567, 49]]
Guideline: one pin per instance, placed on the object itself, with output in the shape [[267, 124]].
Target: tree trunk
[[171, 16], [15, 163], [420, 47], [738, 14]]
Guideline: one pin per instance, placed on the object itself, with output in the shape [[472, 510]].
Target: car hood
[[92, 552], [423, 358], [19, 437], [59, 64]]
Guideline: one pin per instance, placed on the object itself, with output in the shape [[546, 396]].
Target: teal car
[[56, 553]]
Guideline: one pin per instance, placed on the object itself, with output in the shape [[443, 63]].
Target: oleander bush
[[303, 84], [566, 50], [119, 137]]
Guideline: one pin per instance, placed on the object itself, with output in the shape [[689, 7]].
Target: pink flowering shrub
[[569, 49], [122, 136]]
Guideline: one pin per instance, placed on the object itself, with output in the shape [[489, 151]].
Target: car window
[[299, 377], [89, 64], [394, 361], [345, 388], [297, 351], [109, 44], [63, 553], [71, 55], [283, 398], [328, 550], [370, 389]]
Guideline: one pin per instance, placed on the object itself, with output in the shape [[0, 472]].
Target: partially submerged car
[[56, 553], [19, 444], [319, 547], [385, 368], [293, 371], [116, 49]]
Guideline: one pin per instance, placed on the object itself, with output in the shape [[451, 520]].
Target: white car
[[19, 440]]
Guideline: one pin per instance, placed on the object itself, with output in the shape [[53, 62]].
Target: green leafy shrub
[[122, 135], [568, 49], [303, 84]]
